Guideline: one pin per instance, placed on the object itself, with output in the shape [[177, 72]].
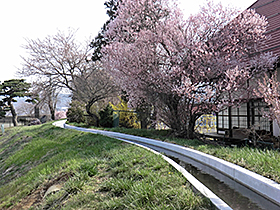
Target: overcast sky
[[34, 19]]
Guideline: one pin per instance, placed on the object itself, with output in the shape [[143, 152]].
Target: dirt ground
[[36, 197]]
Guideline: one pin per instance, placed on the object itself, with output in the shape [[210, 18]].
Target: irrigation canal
[[234, 194]]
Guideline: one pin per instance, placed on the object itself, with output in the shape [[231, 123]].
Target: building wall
[[276, 129], [270, 9]]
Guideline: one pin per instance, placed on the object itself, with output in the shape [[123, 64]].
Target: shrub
[[127, 117], [76, 112], [91, 120], [106, 117]]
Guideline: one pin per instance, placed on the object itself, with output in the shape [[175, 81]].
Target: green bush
[[106, 117], [76, 112], [91, 120], [127, 117]]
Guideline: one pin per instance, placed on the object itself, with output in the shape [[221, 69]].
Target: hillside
[[45, 167]]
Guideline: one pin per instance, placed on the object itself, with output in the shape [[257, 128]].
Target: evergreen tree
[[10, 90], [3, 109], [106, 117], [100, 41]]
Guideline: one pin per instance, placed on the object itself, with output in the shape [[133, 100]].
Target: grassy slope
[[95, 172], [264, 162]]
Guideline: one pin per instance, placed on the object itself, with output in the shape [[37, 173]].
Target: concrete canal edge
[[216, 201], [219, 203], [259, 184]]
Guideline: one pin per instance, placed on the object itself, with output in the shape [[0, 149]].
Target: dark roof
[[270, 9]]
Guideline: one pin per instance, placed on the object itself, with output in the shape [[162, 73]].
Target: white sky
[[32, 19]]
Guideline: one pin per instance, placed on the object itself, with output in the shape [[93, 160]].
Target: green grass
[[94, 172], [262, 161]]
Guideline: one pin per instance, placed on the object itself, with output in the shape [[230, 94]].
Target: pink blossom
[[60, 115], [185, 67], [269, 90]]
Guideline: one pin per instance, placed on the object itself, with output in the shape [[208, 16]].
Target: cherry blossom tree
[[60, 115], [269, 89], [186, 68]]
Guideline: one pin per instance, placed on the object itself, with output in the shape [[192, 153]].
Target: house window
[[258, 121], [239, 116], [245, 116], [223, 120]]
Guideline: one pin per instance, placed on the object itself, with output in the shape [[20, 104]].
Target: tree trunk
[[144, 124], [51, 105], [174, 116], [154, 119], [14, 114], [144, 115], [185, 128], [183, 125], [88, 106], [52, 111], [37, 111], [190, 131]]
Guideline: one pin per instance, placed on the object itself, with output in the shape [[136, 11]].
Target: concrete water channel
[[228, 186], [236, 195]]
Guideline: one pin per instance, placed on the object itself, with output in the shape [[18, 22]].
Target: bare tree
[[47, 92], [58, 57], [93, 86], [23, 108], [61, 62]]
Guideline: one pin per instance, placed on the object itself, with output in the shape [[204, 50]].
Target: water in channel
[[236, 195]]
